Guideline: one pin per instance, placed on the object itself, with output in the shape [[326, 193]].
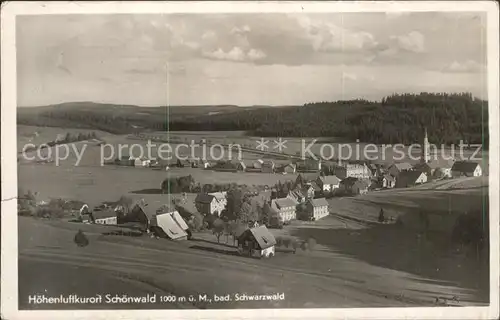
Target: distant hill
[[399, 118]]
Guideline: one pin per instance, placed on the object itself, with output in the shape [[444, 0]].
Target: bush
[[49, 212]]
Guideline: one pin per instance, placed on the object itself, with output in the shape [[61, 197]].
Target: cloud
[[235, 54], [256, 54], [412, 42], [328, 37], [462, 67]]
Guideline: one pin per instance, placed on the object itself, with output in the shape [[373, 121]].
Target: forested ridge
[[399, 118]]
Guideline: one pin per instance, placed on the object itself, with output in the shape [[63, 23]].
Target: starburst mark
[[262, 144], [280, 144]]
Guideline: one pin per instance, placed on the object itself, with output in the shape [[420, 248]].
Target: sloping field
[[453, 196], [39, 135], [140, 265]]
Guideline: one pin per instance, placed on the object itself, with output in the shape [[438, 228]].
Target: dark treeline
[[399, 118]]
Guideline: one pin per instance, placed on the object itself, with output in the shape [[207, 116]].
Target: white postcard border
[[9, 271]]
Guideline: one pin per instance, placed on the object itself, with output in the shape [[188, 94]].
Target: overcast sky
[[246, 59]]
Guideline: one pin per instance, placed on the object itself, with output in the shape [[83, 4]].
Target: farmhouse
[[317, 208], [257, 242], [221, 197], [355, 170], [308, 165], [438, 168], [285, 207], [242, 166], [268, 166], [296, 195], [287, 168], [208, 204], [466, 169], [106, 216], [170, 224], [410, 178], [257, 164], [328, 183], [226, 166], [396, 168], [354, 186], [142, 214], [375, 169], [388, 181]]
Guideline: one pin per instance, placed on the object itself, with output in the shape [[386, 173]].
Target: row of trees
[[398, 118]]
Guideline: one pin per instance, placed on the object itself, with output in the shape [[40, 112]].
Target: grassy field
[[325, 277]]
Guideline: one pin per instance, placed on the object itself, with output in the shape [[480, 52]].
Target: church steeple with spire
[[425, 157]]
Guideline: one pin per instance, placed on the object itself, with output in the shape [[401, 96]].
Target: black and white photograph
[[255, 158]]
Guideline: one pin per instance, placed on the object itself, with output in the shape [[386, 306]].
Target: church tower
[[425, 157]]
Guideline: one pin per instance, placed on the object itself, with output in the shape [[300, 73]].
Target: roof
[[315, 186], [329, 179], [320, 202], [179, 220], [349, 181], [102, 214], [409, 176], [169, 225], [204, 198], [148, 210], [465, 166], [264, 238], [309, 176], [296, 193], [435, 164], [219, 195], [166, 208], [402, 166], [283, 203]]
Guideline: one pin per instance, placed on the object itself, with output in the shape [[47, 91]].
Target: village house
[[225, 166], [328, 183], [296, 195], [388, 181], [308, 165], [375, 170], [436, 168], [221, 197], [207, 204], [355, 170], [410, 178], [257, 164], [466, 169], [396, 168], [205, 164], [268, 166], [354, 186], [142, 214], [169, 224], [257, 242], [317, 191], [242, 166], [285, 207], [317, 208], [105, 216], [287, 168]]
